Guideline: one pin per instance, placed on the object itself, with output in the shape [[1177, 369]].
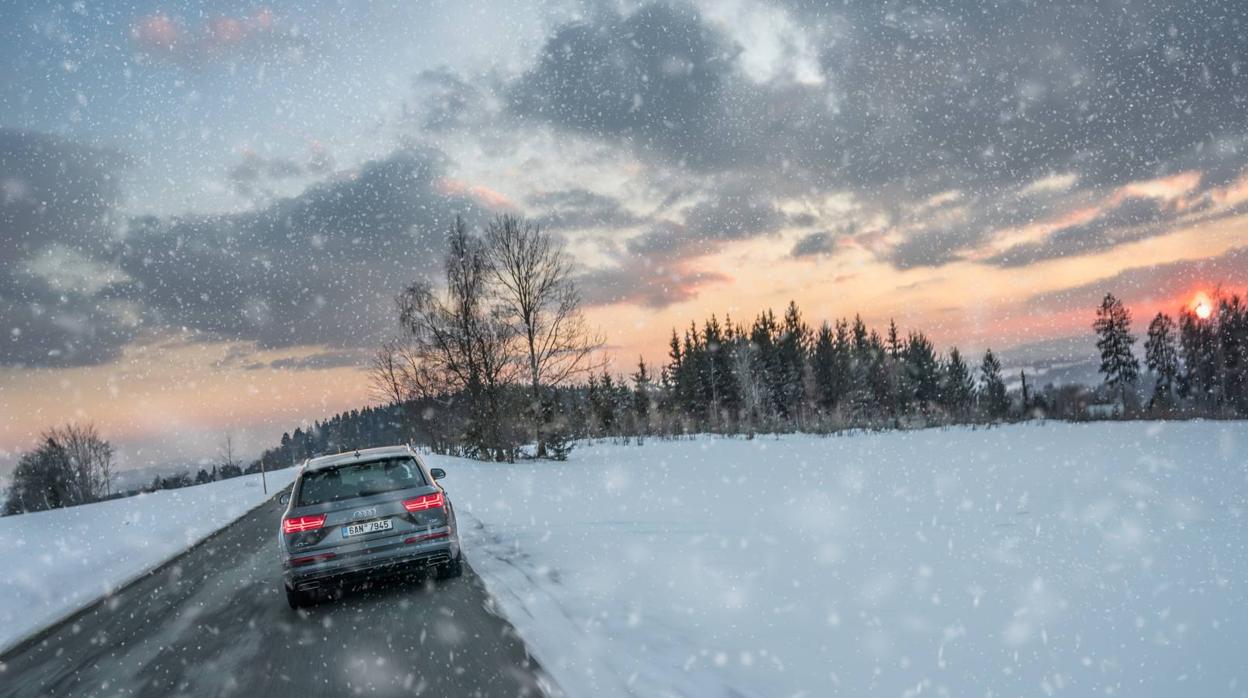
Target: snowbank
[[1027, 560], [57, 562]]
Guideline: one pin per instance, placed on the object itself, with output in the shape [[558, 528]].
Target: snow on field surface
[[1058, 559], [56, 562]]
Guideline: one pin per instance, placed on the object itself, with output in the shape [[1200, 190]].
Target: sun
[[1202, 306]]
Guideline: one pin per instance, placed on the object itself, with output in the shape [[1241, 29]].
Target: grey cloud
[[53, 190], [1132, 219], [733, 214], [653, 269], [444, 100], [254, 175], [318, 362], [1154, 282], [655, 79], [573, 209], [645, 282], [320, 268], [934, 240], [917, 100], [814, 244], [57, 202]]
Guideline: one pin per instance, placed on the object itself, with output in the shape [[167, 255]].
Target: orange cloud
[[157, 32], [488, 197], [161, 35]]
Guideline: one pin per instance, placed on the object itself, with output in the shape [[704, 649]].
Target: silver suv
[[364, 515]]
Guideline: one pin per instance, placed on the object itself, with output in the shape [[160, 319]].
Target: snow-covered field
[[56, 562], [1058, 559]]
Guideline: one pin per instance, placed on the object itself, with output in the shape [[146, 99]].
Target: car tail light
[[425, 501], [312, 558], [303, 523]]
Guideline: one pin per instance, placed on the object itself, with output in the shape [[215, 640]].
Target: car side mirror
[[437, 473], [284, 498]]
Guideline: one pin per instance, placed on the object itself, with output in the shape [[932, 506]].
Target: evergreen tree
[[823, 368], [958, 387], [922, 370], [791, 362], [1115, 341], [993, 401], [895, 345], [1198, 343], [1161, 355], [641, 394], [1232, 322]]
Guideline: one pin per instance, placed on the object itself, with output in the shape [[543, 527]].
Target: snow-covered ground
[[56, 562], [1058, 559]]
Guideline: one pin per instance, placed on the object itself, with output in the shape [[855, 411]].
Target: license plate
[[359, 529]]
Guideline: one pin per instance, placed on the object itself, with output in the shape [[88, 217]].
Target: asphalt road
[[215, 623]]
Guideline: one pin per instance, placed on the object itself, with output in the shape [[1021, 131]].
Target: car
[[365, 515]]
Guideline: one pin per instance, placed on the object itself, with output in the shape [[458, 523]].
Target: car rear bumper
[[406, 560]]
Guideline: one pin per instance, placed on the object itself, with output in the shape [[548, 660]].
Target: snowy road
[[215, 623]]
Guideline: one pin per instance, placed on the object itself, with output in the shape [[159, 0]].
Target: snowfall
[[1060, 559], [1035, 559], [57, 562]]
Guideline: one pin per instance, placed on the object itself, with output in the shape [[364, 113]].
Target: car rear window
[[359, 480]]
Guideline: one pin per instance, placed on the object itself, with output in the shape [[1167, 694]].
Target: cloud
[[317, 362], [258, 36], [655, 269], [578, 209], [445, 101], [318, 268], [1153, 283], [913, 101], [255, 176], [733, 213], [1130, 219], [654, 79], [814, 244], [644, 281], [56, 233], [79, 281]]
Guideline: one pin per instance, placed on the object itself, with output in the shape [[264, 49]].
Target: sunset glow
[[1202, 306]]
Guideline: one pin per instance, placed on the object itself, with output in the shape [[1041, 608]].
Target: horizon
[[206, 209]]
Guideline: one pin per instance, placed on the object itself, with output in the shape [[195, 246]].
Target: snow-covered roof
[[363, 454]]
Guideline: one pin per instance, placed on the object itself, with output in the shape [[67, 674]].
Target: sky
[[206, 208]]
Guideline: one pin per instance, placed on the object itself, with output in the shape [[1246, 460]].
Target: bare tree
[[71, 465], [388, 376], [455, 342], [536, 293], [226, 458], [90, 458]]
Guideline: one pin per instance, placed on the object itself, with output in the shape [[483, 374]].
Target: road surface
[[215, 623]]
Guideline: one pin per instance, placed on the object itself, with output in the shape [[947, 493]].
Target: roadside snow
[[1058, 559], [57, 562]]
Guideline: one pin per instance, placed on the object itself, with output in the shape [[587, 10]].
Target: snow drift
[[1025, 560], [58, 562]]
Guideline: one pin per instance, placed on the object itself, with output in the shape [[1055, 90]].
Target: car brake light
[[303, 523], [425, 501]]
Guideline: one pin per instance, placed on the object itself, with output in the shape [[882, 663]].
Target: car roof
[[360, 456]]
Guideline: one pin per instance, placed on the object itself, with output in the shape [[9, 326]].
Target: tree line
[[1195, 366]]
